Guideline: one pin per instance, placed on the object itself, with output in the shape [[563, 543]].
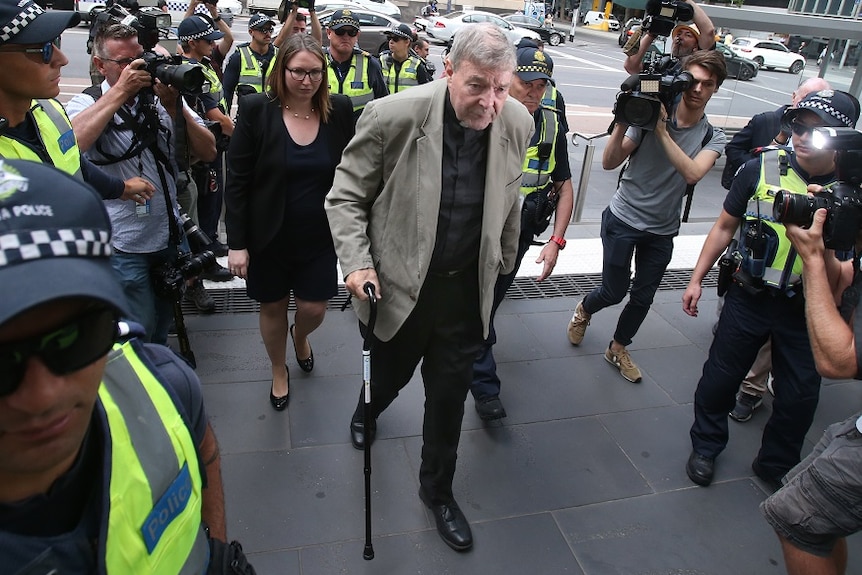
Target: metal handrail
[[584, 180]]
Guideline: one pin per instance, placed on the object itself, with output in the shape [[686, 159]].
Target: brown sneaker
[[578, 325], [623, 361]]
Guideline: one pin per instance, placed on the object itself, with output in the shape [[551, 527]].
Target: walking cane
[[368, 288]]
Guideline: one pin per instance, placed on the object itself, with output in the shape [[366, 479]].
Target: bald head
[[808, 86]]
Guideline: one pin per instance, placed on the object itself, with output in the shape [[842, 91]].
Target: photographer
[[132, 133], [643, 216], [818, 546], [765, 299], [686, 39], [295, 22]]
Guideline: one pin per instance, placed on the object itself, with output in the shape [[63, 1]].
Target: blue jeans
[[145, 307], [485, 382], [746, 322], [652, 255]]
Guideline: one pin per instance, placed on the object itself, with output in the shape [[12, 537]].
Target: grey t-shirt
[[649, 196]]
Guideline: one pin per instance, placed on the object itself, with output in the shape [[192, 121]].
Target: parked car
[[374, 25], [768, 54], [444, 27], [549, 34], [594, 18], [738, 66], [628, 29]]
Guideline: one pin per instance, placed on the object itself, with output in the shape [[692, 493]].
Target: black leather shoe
[[771, 482], [357, 437], [451, 523], [218, 249], [306, 364], [490, 408], [279, 403], [700, 469], [217, 274]]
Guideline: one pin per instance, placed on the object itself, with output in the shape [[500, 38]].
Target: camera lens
[[790, 208]]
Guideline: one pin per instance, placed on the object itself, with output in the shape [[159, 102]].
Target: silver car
[[442, 28]]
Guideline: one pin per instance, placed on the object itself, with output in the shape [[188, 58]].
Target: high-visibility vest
[[537, 170], [56, 135], [403, 78], [783, 266], [355, 84], [250, 73]]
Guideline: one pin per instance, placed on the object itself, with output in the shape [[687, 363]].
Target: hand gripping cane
[[368, 288]]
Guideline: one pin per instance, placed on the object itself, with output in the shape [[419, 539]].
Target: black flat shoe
[[451, 523], [279, 403], [490, 408], [305, 365]]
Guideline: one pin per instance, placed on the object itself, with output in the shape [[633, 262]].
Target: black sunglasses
[[46, 50], [75, 345], [352, 32], [801, 129]]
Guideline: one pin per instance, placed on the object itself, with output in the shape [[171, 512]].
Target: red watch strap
[[559, 241]]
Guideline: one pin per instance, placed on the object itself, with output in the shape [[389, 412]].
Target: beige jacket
[[385, 199]]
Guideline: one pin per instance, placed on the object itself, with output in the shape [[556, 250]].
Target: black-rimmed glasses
[[46, 50], [299, 74]]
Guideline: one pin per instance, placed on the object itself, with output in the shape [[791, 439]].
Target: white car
[[444, 27], [595, 18], [768, 54]]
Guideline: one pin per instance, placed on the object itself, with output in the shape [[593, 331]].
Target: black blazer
[[254, 196], [758, 132]]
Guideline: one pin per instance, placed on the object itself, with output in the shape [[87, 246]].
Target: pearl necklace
[[295, 115]]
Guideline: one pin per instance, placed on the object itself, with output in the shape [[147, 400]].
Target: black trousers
[[444, 331]]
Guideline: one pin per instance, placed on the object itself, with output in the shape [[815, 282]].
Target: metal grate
[[235, 300]]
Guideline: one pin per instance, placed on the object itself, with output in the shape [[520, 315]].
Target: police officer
[[765, 299], [248, 67], [197, 38], [351, 71], [546, 185], [34, 124], [401, 68], [87, 421]]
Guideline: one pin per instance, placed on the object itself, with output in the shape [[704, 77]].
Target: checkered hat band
[[20, 22], [197, 35], [829, 109], [539, 69], [40, 244], [349, 21]]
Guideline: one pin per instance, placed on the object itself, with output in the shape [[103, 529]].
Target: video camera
[[843, 200], [662, 15], [151, 24], [642, 94], [169, 279]]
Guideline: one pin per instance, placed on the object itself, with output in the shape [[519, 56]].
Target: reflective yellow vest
[[216, 89], [250, 73], [154, 493], [536, 170], [56, 135], [359, 91], [783, 266], [404, 78]]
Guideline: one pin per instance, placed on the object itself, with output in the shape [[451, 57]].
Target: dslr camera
[[643, 94], [151, 24], [843, 200], [169, 279], [660, 16]]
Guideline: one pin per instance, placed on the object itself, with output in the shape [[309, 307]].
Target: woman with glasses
[[281, 162]]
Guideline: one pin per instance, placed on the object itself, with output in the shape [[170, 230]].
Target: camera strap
[[689, 189]]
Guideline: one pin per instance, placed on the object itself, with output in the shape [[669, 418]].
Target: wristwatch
[[561, 242]]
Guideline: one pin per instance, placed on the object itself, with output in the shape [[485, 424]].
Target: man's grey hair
[[485, 46], [111, 31]]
